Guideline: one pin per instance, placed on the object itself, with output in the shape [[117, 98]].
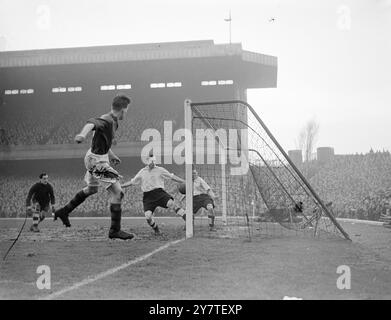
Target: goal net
[[258, 189]]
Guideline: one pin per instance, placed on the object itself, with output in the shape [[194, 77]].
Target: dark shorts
[[155, 198], [201, 201]]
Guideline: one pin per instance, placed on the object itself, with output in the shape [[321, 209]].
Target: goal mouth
[[252, 176]]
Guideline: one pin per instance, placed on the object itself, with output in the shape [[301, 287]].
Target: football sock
[[41, 217], [76, 201], [116, 211], [152, 223], [211, 216], [180, 212], [35, 218]]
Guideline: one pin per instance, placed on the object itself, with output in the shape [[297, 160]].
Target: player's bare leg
[[178, 210], [78, 199], [151, 222], [116, 213]]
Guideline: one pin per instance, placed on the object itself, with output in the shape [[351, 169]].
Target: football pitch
[[85, 264]]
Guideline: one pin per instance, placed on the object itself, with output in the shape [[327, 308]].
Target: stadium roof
[[133, 52]]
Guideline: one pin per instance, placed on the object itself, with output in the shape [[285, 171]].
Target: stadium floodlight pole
[[189, 169]]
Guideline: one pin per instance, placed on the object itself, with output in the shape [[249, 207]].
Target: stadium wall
[[64, 151], [70, 167]]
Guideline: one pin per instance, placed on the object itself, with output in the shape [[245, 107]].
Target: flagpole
[[230, 27], [230, 30]]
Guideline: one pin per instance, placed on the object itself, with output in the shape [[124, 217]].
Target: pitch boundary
[[376, 223], [108, 272], [102, 218], [175, 217]]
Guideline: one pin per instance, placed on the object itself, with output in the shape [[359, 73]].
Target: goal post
[[188, 168], [223, 194]]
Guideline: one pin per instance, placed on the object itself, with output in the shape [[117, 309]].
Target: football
[[182, 188]]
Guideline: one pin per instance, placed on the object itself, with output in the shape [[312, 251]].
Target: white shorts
[[99, 172]]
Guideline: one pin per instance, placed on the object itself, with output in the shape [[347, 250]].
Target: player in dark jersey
[[98, 161], [38, 200]]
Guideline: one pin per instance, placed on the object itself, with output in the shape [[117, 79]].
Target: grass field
[[84, 264]]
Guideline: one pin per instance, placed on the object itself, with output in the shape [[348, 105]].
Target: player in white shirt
[[151, 178], [203, 198]]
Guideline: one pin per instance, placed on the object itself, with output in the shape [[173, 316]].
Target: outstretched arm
[[52, 197], [211, 194], [133, 181], [173, 177], [177, 179], [30, 195], [128, 184], [84, 132], [167, 175]]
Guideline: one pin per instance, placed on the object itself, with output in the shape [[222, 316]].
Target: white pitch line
[[199, 217], [96, 218], [108, 272], [108, 218], [376, 223]]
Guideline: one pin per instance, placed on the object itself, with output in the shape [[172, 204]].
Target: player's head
[[43, 177], [194, 174], [119, 106], [151, 161]]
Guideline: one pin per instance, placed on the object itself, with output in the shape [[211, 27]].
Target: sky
[[334, 57]]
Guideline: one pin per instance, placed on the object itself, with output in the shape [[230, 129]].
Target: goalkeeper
[[39, 199], [203, 197], [98, 161]]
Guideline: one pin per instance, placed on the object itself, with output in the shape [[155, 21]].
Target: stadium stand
[[44, 126]]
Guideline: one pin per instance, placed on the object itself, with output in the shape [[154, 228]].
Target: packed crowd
[[3, 137], [14, 190], [358, 185]]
